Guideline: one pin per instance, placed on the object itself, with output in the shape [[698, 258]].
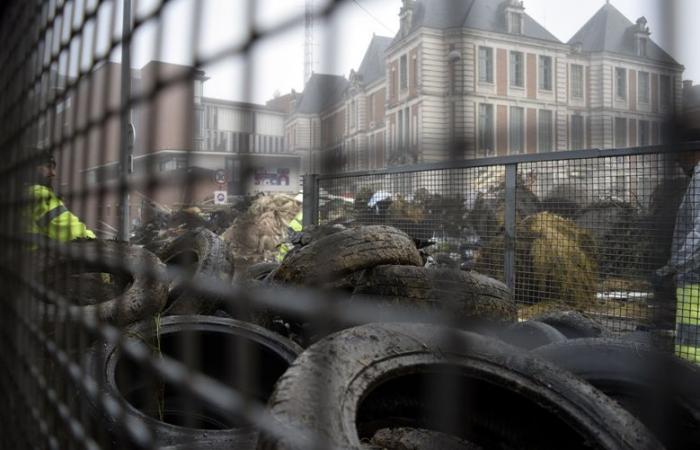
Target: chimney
[[687, 84], [406, 16]]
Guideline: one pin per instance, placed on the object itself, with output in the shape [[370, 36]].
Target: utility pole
[[126, 141]]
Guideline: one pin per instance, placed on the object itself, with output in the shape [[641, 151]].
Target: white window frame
[[540, 124], [481, 131], [513, 128], [583, 132], [626, 140], [647, 135], [647, 92], [540, 72], [573, 88], [516, 23], [666, 98], [511, 70], [489, 73], [403, 72], [621, 95]]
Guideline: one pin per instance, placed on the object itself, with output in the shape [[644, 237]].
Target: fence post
[[509, 225], [311, 198]]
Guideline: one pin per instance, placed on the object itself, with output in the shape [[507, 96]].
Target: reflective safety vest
[[688, 322], [295, 226], [47, 216]]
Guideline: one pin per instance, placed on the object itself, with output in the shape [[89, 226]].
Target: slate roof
[[610, 31], [321, 92], [486, 15], [373, 66]]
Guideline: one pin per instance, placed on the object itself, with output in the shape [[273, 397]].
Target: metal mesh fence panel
[[587, 232]]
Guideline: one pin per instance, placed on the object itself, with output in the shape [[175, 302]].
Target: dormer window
[[642, 44], [515, 14], [642, 33], [516, 23]]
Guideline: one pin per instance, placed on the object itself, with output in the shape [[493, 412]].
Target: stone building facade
[[479, 78]]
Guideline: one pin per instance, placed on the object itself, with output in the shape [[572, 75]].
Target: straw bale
[[554, 262], [255, 235]]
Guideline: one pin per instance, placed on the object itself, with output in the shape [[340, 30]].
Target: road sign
[[220, 176], [220, 197]]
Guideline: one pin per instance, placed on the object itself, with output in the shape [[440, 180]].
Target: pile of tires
[[212, 347], [381, 265], [414, 385], [659, 389], [110, 281], [558, 381], [551, 328]]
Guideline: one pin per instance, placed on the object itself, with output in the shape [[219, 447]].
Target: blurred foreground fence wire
[[179, 339]]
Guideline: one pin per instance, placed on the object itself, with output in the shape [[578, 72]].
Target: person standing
[[684, 263], [46, 216]]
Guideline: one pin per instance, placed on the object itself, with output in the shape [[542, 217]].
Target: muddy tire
[[158, 405], [340, 254], [145, 294], [574, 325], [531, 335], [469, 294], [200, 255], [258, 272], [418, 439], [350, 385], [661, 390]]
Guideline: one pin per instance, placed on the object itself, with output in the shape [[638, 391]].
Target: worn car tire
[[339, 254], [531, 334], [573, 324], [144, 296], [661, 390], [468, 294], [353, 383], [418, 439], [215, 341], [257, 272], [203, 255]]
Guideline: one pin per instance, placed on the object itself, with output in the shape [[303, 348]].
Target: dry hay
[[487, 216], [255, 235], [402, 209], [554, 262]]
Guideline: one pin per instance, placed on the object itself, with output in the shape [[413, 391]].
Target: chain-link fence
[[158, 290]]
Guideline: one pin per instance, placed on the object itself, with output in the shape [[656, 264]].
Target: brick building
[[181, 140]]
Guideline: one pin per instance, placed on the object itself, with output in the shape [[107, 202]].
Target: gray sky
[[276, 61]]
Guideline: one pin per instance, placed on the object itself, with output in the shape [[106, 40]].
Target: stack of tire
[[555, 382], [382, 266]]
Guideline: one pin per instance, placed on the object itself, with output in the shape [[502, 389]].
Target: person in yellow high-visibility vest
[[46, 216], [293, 227], [684, 264]]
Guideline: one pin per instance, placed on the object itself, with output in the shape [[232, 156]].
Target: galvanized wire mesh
[[611, 218]]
